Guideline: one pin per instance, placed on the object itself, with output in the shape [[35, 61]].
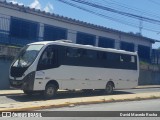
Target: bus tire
[[28, 92], [50, 91], [109, 88]]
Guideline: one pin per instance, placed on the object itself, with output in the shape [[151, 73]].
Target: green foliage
[[143, 63]]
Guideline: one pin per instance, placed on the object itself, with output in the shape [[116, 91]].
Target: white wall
[[74, 28]]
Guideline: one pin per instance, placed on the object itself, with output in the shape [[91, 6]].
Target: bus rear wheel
[[50, 91], [109, 88]]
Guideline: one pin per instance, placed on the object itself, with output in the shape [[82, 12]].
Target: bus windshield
[[27, 55]]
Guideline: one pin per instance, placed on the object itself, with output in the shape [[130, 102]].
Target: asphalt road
[[130, 107], [24, 98]]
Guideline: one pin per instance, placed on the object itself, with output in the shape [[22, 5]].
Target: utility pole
[[140, 26]]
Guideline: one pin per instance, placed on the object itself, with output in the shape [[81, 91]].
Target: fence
[[8, 52], [155, 56]]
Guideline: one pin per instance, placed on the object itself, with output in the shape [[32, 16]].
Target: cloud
[[35, 4], [49, 8], [15, 2]]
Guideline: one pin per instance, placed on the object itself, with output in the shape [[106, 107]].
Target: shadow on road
[[62, 95]]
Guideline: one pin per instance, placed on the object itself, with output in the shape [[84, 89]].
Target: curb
[[14, 92], [10, 92], [37, 105], [147, 87]]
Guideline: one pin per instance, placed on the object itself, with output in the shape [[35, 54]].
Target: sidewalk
[[44, 104]]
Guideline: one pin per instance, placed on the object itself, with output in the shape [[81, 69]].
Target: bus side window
[[113, 57], [127, 58], [133, 59], [89, 54], [48, 59], [128, 62], [72, 52], [101, 55]]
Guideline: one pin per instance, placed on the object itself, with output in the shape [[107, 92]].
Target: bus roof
[[70, 44]]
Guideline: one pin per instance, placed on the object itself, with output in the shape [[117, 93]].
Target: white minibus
[[51, 65]]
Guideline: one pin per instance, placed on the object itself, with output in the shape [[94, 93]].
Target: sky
[[145, 8]]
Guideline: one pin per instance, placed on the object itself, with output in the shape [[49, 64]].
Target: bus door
[[47, 61]]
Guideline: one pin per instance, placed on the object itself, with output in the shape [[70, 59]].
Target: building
[[20, 25]]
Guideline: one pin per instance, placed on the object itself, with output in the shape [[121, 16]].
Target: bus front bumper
[[25, 84]]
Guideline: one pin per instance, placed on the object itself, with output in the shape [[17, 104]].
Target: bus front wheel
[[50, 91], [109, 88]]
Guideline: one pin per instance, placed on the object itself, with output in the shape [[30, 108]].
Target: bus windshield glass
[[27, 55]]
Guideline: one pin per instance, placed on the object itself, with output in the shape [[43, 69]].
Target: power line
[[126, 6], [104, 16], [154, 2], [140, 26], [149, 20]]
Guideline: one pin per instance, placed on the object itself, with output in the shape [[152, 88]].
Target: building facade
[[20, 25]]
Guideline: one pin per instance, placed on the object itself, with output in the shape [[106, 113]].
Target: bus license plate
[[14, 82]]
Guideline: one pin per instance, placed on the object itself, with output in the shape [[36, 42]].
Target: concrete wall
[[4, 72], [149, 77]]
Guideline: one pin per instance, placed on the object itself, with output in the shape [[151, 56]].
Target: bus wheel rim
[[109, 88], [50, 91]]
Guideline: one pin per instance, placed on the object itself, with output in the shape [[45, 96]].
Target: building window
[[54, 33], [144, 52], [23, 29], [127, 46], [85, 39], [106, 42]]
